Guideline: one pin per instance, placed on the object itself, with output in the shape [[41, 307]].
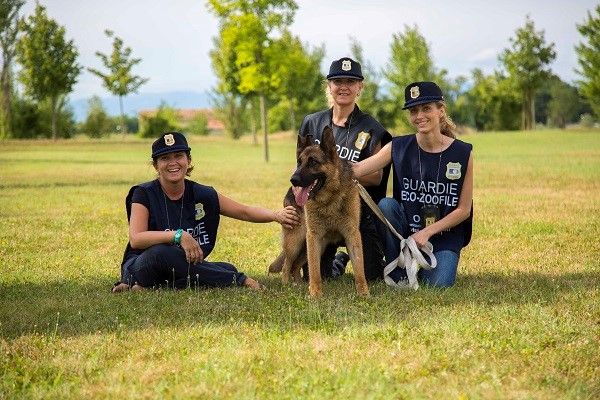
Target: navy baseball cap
[[169, 142], [345, 68], [420, 93]]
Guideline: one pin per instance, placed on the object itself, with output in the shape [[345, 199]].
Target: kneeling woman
[[433, 190], [173, 226]]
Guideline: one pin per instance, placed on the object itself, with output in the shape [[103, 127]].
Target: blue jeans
[[442, 276]]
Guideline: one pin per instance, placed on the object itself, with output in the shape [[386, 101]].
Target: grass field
[[522, 322]]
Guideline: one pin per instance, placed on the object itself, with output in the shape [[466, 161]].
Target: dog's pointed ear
[[303, 142], [328, 143]]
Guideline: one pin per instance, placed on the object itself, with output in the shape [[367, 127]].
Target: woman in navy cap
[[358, 136], [433, 187], [173, 226]]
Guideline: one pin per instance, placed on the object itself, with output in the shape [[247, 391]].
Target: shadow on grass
[[80, 308]]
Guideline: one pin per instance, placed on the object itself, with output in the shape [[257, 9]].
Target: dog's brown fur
[[332, 213]]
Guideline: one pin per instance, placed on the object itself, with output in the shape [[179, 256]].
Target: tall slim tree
[[119, 80], [589, 60], [249, 26], [49, 62], [527, 65], [9, 27], [298, 73]]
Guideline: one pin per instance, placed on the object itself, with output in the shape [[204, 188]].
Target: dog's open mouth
[[302, 194]]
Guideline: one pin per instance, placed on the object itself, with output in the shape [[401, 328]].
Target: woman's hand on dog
[[193, 251], [287, 217]]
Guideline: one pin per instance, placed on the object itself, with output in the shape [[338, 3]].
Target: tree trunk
[[263, 114], [53, 106], [6, 99], [253, 124], [527, 110], [123, 124]]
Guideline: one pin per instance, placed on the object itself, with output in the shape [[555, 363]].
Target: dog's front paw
[[315, 291]]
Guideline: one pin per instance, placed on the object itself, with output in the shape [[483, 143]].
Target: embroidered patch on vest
[[200, 211], [453, 170], [361, 140]]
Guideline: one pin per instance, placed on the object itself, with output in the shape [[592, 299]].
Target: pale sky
[[174, 37]]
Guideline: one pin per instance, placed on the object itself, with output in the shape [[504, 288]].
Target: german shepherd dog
[[329, 205]]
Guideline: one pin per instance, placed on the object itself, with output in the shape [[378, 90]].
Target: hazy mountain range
[[136, 102]]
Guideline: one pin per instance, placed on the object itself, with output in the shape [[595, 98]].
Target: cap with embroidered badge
[[420, 93], [345, 68], [169, 142]]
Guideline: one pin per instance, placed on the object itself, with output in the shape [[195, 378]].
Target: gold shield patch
[[414, 92], [200, 211], [361, 140], [169, 140], [453, 170]]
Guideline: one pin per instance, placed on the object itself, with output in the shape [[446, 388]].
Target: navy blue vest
[[200, 214], [438, 182], [354, 142]]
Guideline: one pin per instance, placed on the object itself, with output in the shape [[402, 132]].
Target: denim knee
[[388, 206], [444, 275]]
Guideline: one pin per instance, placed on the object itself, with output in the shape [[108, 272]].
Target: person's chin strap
[[410, 257]]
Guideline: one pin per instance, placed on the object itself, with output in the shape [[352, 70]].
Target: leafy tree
[[226, 99], [198, 125], [9, 27], [526, 63], [32, 119], [164, 120], [589, 60], [97, 123], [298, 76], [119, 80], [49, 62], [410, 61], [246, 32], [565, 105], [490, 103]]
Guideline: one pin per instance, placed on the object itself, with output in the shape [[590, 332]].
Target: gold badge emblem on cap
[[414, 92], [361, 140], [169, 140], [346, 65]]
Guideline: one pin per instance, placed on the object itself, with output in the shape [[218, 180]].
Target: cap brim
[[173, 149], [358, 78], [424, 100]]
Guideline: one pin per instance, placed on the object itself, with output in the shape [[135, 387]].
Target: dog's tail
[[277, 265]]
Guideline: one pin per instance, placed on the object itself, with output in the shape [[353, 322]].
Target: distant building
[[184, 118]]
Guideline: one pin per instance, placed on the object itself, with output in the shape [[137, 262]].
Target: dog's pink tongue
[[300, 194]]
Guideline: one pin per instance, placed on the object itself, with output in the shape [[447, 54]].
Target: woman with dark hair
[[173, 226]]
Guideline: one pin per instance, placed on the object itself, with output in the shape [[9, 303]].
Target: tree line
[[268, 79]]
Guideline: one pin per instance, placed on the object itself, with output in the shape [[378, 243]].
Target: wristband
[[177, 237]]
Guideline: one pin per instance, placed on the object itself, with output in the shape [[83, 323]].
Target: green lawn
[[522, 322]]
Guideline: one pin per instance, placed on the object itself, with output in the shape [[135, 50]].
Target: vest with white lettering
[[355, 141], [199, 215], [438, 181]]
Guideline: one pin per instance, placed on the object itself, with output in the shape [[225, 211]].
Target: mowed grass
[[522, 322]]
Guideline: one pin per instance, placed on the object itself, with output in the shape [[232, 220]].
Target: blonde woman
[[433, 188], [357, 135]]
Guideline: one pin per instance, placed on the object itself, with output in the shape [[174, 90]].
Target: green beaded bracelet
[[177, 237]]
